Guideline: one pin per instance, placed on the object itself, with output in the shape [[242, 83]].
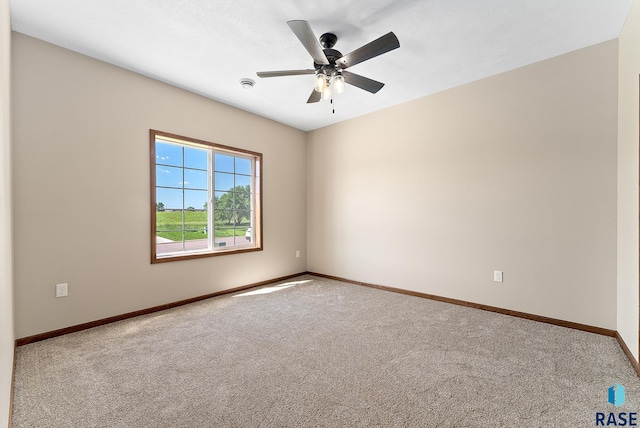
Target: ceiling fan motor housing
[[332, 56], [328, 40]]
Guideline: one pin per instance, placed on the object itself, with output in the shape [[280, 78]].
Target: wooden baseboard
[[628, 353], [72, 329], [547, 320]]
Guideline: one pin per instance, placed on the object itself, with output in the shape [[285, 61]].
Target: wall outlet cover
[[62, 290]]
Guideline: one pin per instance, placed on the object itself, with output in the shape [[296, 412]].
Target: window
[[205, 199]]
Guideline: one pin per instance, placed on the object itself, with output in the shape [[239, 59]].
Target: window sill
[[219, 251]]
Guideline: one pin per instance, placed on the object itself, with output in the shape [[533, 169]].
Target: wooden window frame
[[256, 231]]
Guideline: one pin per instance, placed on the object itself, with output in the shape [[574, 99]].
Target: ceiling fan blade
[[303, 32], [284, 73], [362, 82], [314, 97], [384, 44]]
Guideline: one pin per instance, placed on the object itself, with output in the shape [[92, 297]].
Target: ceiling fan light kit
[[338, 83], [327, 85], [329, 64], [321, 82]]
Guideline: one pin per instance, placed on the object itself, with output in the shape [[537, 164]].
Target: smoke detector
[[247, 83]]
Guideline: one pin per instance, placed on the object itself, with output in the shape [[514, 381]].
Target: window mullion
[[252, 198], [234, 210], [184, 243], [212, 204]]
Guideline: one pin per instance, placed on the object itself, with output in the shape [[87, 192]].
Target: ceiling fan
[[329, 65]]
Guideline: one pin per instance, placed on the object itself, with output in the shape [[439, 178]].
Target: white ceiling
[[207, 46]]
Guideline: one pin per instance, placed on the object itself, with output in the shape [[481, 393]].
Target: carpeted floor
[[316, 352]]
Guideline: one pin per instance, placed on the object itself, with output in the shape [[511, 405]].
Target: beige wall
[[628, 215], [6, 281], [81, 180], [516, 172]]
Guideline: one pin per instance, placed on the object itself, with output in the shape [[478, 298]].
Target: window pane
[[219, 197], [194, 245], [196, 200], [243, 166], [168, 176], [243, 180], [170, 247], [169, 221], [196, 179], [223, 208], [223, 181], [195, 158], [169, 229], [243, 235], [223, 163], [195, 227], [168, 154], [223, 218], [224, 237], [242, 199], [248, 235], [171, 199], [243, 218]]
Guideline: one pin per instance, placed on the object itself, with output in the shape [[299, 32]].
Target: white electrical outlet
[[62, 290], [497, 275], [297, 253]]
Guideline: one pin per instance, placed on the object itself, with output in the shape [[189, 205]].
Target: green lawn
[[169, 226]]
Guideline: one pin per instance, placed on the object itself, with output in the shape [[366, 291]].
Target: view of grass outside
[[169, 226]]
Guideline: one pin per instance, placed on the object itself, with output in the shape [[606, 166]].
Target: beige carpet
[[315, 352]]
